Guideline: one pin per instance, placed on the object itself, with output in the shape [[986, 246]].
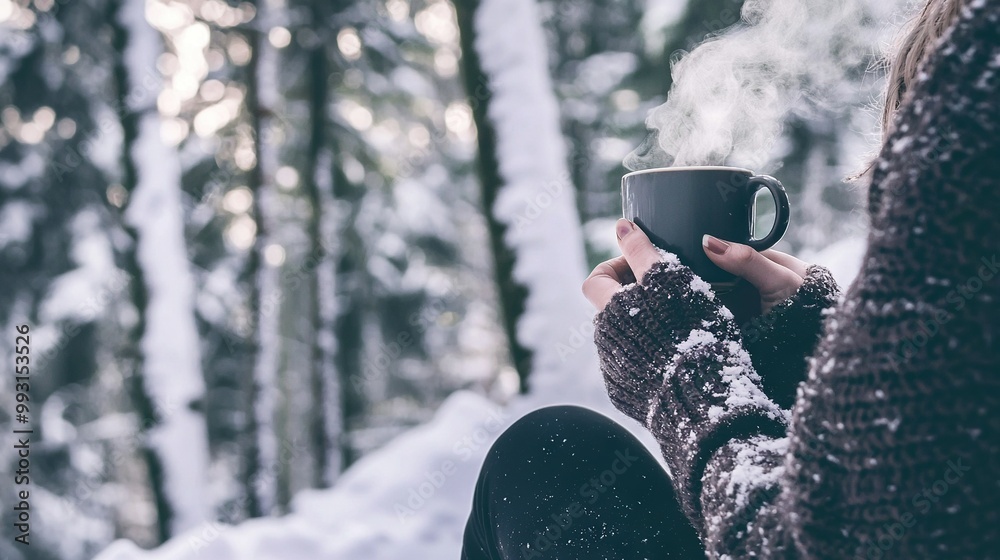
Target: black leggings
[[567, 483]]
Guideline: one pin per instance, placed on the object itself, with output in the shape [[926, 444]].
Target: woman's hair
[[916, 39]]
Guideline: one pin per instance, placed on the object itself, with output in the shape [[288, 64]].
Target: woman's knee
[[558, 418], [563, 425]]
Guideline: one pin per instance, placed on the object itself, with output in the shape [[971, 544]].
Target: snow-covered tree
[[528, 195], [170, 387]]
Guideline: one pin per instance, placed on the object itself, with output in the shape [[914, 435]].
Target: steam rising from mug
[[731, 94]]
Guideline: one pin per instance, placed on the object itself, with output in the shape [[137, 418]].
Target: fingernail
[[623, 228], [714, 244]]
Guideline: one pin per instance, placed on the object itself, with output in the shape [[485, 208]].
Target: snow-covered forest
[[289, 266]]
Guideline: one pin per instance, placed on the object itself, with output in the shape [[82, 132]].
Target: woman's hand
[[774, 274], [638, 255]]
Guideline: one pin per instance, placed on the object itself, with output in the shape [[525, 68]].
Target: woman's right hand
[[775, 275], [793, 299]]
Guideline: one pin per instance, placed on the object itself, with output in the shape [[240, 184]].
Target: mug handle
[[780, 210]]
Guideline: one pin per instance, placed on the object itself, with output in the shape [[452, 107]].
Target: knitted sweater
[[891, 448]]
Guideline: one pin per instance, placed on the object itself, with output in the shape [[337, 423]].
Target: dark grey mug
[[676, 206]]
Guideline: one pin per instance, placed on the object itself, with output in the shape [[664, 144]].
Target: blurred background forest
[[247, 231]]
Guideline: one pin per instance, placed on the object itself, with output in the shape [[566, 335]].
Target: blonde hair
[[916, 40]]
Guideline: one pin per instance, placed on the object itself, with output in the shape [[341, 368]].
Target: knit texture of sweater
[[871, 430]]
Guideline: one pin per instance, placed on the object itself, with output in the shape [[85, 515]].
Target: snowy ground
[[411, 498], [407, 500]]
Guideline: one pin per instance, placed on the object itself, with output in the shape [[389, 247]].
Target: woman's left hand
[[638, 255]]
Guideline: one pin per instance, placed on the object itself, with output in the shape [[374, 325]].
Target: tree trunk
[[528, 195], [327, 426], [351, 291], [512, 293], [169, 387], [261, 467], [702, 19]]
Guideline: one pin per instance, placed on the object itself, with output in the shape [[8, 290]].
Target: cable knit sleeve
[[781, 340], [893, 445], [672, 359]]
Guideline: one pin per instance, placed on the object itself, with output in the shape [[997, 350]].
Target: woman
[[885, 443]]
